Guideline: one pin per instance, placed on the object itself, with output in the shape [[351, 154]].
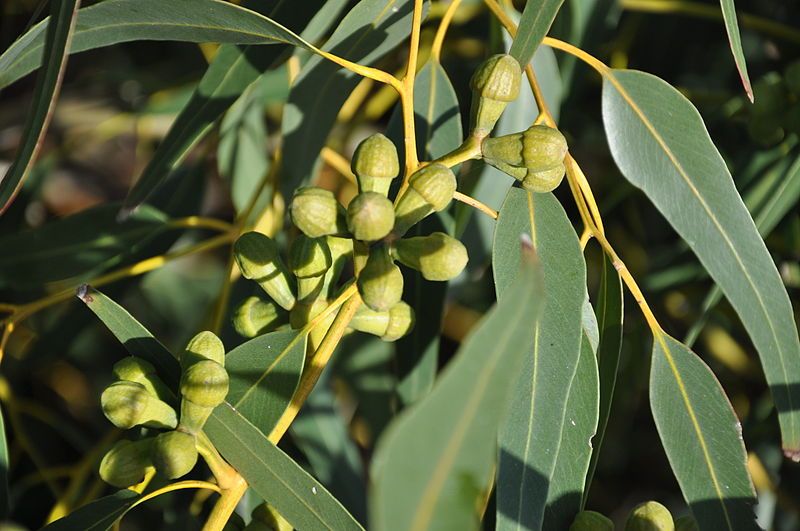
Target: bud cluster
[[140, 398]]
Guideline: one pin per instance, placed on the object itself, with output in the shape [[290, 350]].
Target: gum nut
[[497, 78], [129, 404], [316, 212], [205, 383], [437, 256], [376, 157], [370, 216], [126, 463], [174, 454], [204, 346]]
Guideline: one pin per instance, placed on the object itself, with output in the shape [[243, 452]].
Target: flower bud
[[341, 250], [259, 260], [591, 521], [133, 369], [129, 404], [650, 516], [538, 148], [437, 256], [204, 346], [316, 212], [310, 259], [205, 383], [126, 463], [266, 518], [375, 164], [389, 325], [430, 189], [370, 216], [174, 454], [380, 283], [545, 180], [255, 317], [494, 84], [686, 523]]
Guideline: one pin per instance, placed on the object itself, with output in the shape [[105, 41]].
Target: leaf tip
[[84, 293]]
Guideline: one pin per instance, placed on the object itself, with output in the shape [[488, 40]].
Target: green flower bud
[[370, 216], [174, 454], [204, 346], [266, 518], [375, 164], [133, 369], [430, 189], [494, 84], [259, 260], [389, 325], [437, 256], [591, 521], [380, 283], [650, 516], [341, 250], [538, 148], [255, 317], [545, 180], [129, 404], [316, 212], [310, 259], [126, 463], [205, 383], [686, 523]]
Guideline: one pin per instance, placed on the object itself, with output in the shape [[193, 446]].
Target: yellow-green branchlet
[[430, 189], [650, 516], [255, 316], [310, 259], [437, 256], [203, 346], [259, 260], [380, 283], [133, 369], [535, 156], [389, 325], [126, 463], [591, 521], [316, 212], [204, 386], [174, 454], [129, 404], [375, 164], [370, 216], [494, 84]]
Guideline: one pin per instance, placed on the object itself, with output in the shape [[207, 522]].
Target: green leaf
[[565, 494], [537, 17], [98, 515], [264, 373], [370, 30], [45, 94], [531, 434], [660, 143], [4, 499], [701, 436], [735, 41], [437, 118], [78, 245], [435, 461], [273, 475]]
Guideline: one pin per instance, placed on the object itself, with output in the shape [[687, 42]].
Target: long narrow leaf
[[98, 515], [735, 41], [537, 17]]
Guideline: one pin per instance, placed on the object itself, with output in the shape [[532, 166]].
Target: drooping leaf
[[531, 434], [701, 436], [98, 515], [264, 373], [370, 30], [55, 52], [735, 41], [435, 461], [298, 497], [660, 143], [537, 17], [4, 501]]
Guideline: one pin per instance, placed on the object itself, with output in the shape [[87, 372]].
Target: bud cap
[[129, 404], [205, 383], [204, 346], [650, 516], [258, 259], [309, 257], [370, 216], [497, 78], [375, 164], [316, 212], [437, 256]]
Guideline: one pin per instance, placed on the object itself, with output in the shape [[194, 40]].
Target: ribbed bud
[[126, 463], [309, 257], [133, 369], [341, 251], [686, 523], [256, 316], [536, 149], [650, 516], [370, 216], [316, 212], [174, 454], [266, 518], [389, 325], [430, 189], [545, 180], [591, 521], [375, 164], [204, 346], [437, 256], [401, 321], [494, 84], [129, 404], [259, 260], [380, 283], [205, 383]]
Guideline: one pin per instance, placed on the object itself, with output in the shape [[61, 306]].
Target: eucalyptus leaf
[[537, 17], [735, 41], [660, 143], [4, 500], [98, 515]]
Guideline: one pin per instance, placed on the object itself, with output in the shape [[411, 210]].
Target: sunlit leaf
[[537, 17]]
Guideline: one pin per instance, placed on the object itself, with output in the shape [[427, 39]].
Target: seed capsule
[[126, 463], [204, 346], [591, 521], [380, 283], [536, 149], [650, 516], [174, 454], [370, 216], [437, 256], [494, 84], [316, 212], [389, 325], [129, 404], [133, 369], [686, 523], [375, 164], [256, 316], [430, 189], [259, 260]]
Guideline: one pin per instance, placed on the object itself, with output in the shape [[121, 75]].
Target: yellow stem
[[438, 40], [474, 203], [199, 222], [470, 149], [590, 60], [365, 71], [338, 162], [225, 506], [406, 92]]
